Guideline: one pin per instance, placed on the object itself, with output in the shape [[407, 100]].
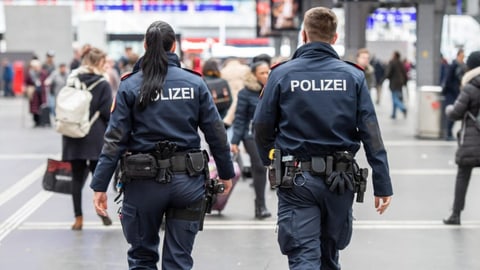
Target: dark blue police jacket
[[184, 105], [316, 104]]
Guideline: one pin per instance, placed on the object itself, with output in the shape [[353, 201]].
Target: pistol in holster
[[360, 179], [275, 169]]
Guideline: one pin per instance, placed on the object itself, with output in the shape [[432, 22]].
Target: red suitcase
[[222, 199]]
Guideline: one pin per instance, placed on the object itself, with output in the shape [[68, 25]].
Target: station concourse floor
[[35, 224]]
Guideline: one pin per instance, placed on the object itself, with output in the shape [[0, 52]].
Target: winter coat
[[468, 153], [247, 102], [90, 146], [234, 72]]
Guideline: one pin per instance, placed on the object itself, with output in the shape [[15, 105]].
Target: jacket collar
[[173, 59], [312, 49], [470, 77]]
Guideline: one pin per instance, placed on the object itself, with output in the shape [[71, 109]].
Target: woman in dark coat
[[468, 154], [83, 152], [242, 131]]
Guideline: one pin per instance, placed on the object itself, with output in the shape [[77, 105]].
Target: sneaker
[[405, 113]]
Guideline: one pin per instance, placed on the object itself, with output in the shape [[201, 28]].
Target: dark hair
[[159, 39], [210, 68], [255, 65], [263, 57]]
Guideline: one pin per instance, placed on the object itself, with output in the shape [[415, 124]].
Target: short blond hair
[[320, 24]]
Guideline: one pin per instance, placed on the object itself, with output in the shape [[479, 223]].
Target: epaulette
[[193, 71], [355, 65], [126, 75], [278, 64]]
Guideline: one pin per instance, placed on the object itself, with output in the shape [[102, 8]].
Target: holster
[[361, 176], [275, 169], [196, 162]]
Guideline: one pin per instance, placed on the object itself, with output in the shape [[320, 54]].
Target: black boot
[[261, 211], [453, 219]]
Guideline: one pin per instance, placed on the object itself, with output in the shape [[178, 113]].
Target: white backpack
[[72, 108]]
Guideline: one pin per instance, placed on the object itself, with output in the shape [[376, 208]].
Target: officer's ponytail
[[159, 39]]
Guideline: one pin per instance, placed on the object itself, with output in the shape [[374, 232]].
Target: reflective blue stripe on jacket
[[184, 105], [316, 104]]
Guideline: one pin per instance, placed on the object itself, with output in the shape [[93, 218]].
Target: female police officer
[[161, 103]]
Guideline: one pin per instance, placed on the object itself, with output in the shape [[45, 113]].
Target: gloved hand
[[339, 181]]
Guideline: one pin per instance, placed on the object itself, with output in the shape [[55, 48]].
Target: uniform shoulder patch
[[355, 65], [278, 64], [192, 71], [126, 75]]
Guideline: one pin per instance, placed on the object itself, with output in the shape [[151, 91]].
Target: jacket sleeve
[[214, 130], [461, 104], [265, 118], [240, 123], [115, 139], [369, 132]]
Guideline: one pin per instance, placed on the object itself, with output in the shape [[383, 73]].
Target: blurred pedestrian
[[7, 78], [443, 69], [54, 83], [219, 87], [49, 64], [233, 71], [451, 89], [113, 77], [36, 92], [83, 153], [379, 68], [468, 153], [248, 99], [363, 60], [397, 77]]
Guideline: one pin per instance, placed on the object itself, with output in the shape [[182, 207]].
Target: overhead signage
[[165, 7]]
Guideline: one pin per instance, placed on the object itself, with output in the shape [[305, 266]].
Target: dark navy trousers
[[144, 205], [313, 224]]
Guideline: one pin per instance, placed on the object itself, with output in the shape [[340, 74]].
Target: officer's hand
[[382, 203], [234, 148], [228, 186], [100, 203]]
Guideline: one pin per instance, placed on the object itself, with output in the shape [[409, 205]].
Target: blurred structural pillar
[[429, 33], [356, 14]]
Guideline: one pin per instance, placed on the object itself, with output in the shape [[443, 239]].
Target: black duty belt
[[178, 163]]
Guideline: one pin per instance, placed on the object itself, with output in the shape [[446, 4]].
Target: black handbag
[[58, 177]]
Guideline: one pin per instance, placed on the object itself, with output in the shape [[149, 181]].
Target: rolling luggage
[[222, 199], [44, 116]]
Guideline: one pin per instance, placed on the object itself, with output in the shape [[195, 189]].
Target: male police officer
[[314, 112]]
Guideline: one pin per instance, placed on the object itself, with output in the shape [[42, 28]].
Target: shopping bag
[[58, 177]]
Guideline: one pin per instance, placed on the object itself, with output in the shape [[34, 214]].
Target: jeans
[[397, 103]]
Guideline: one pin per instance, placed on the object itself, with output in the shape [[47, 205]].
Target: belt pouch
[[140, 166], [195, 163], [318, 166]]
